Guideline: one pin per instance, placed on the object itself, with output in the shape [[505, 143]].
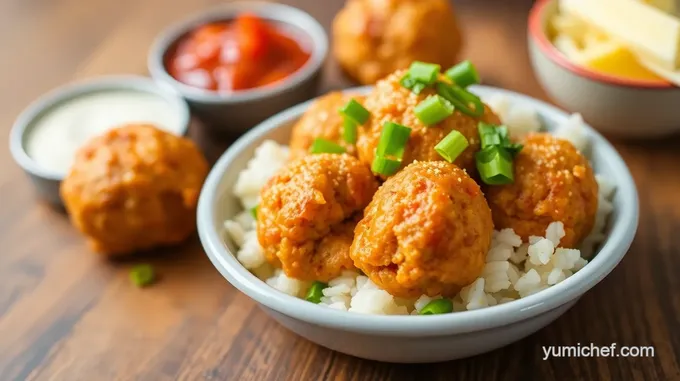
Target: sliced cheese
[[614, 59], [669, 6], [646, 30], [671, 76]]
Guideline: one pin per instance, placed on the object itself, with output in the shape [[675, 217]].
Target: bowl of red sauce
[[240, 63]]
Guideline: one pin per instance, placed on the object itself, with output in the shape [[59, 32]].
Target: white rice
[[514, 269]]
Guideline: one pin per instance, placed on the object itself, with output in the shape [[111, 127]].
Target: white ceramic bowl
[[411, 339], [615, 106]]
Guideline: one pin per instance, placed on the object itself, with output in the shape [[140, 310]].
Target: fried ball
[[321, 120], [427, 231], [389, 101], [373, 38], [308, 211], [134, 188], [553, 182]]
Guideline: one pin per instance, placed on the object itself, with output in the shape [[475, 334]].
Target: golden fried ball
[[427, 231], [321, 120], [134, 188], [308, 211], [373, 38], [553, 182], [389, 101]]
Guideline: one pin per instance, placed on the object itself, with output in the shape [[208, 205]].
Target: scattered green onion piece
[[253, 211], [325, 146], [142, 275], [433, 110], [464, 74], [451, 146], [384, 166], [514, 149], [355, 111], [486, 129], [349, 131], [411, 84], [393, 139], [488, 140], [315, 292], [503, 132], [494, 164], [461, 99], [436, 307], [424, 72]]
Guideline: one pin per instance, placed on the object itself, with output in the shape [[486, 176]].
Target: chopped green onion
[[411, 84], [325, 146], [514, 149], [349, 131], [464, 74], [451, 146], [486, 129], [461, 99], [494, 164], [253, 211], [142, 275], [436, 307], [490, 140], [384, 166], [503, 132], [393, 139], [424, 72], [315, 292], [355, 111], [433, 110]]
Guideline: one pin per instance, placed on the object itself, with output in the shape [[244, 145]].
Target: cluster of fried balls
[[426, 229]]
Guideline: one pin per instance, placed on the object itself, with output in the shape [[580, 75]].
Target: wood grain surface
[[67, 314]]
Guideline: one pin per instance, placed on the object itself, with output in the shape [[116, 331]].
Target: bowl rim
[[538, 34], [276, 12], [72, 90], [609, 255]]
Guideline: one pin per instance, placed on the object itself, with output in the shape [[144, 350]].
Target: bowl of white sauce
[[47, 134]]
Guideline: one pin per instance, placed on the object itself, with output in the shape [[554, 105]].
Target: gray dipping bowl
[[47, 182], [235, 112]]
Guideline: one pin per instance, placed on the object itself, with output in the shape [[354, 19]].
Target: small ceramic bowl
[[412, 339], [234, 113], [47, 182], [615, 106]]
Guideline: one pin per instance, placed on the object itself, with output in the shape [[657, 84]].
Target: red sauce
[[242, 54]]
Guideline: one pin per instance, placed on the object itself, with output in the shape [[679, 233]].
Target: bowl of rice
[[524, 285]]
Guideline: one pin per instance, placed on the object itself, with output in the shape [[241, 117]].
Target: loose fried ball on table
[[427, 231], [322, 120], [390, 101], [553, 182], [134, 188], [373, 38], [308, 211]]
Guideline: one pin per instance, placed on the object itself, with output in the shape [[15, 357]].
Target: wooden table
[[67, 314]]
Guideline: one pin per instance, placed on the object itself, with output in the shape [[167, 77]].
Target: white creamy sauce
[[57, 135]]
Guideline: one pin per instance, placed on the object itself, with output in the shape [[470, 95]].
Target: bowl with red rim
[[233, 110], [622, 107]]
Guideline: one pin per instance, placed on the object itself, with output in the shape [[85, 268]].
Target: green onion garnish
[[464, 74], [451, 146], [514, 149], [349, 131], [325, 146], [494, 164], [436, 307], [424, 72], [315, 292], [461, 99], [355, 111], [384, 166], [411, 84], [393, 139], [491, 135], [433, 110], [253, 211], [142, 275]]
